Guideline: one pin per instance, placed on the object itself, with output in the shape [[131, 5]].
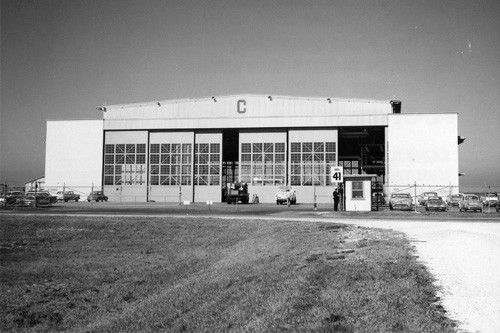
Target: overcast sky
[[61, 58]]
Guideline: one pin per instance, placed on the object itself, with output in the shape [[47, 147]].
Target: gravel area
[[464, 257]]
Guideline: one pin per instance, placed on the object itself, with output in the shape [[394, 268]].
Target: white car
[[285, 195]]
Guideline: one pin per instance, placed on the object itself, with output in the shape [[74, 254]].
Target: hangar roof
[[246, 111]]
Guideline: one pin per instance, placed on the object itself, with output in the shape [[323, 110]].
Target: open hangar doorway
[[230, 159], [362, 151]]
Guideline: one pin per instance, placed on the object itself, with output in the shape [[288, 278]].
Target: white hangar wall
[[422, 149], [73, 154]]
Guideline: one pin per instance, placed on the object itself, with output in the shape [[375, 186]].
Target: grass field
[[131, 274]]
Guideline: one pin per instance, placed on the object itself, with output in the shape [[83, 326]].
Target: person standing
[[336, 200]]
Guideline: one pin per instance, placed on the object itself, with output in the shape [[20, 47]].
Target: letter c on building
[[242, 106]]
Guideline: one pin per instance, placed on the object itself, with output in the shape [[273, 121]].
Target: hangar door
[[263, 162], [207, 167], [170, 166]]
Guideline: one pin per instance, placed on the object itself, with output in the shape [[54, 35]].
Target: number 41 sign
[[337, 174]]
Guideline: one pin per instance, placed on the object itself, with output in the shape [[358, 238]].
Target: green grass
[[133, 274]]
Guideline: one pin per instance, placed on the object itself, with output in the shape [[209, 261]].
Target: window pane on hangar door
[[312, 154], [208, 159], [170, 158], [125, 158], [262, 158]]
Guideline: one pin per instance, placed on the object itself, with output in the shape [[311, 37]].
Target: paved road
[[465, 259]]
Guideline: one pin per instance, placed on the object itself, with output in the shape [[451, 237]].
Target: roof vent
[[396, 106]]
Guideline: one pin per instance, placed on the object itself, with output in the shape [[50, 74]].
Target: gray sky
[[61, 58]]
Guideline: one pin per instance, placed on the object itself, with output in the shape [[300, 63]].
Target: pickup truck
[[67, 196]]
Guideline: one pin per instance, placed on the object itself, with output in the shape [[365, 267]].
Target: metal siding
[[247, 122], [257, 106]]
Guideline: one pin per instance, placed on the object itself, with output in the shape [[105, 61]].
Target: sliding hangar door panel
[[263, 162], [207, 167], [312, 153], [170, 166], [125, 165]]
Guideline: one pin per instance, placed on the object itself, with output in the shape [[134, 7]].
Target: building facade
[[190, 149]]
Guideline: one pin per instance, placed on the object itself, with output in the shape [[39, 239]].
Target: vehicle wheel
[[65, 200], [277, 202], [88, 200], [76, 200], [106, 200]]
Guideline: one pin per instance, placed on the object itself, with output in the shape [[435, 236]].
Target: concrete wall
[[73, 153], [422, 148]]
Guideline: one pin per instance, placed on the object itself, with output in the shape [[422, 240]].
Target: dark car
[[437, 204], [12, 197], [422, 198], [97, 196], [42, 198]]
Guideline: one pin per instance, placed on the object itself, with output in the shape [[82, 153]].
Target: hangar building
[[190, 149]]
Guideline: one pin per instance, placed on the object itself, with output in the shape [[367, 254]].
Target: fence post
[[314, 198], [415, 192]]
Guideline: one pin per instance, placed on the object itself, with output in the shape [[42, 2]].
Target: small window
[[357, 190]]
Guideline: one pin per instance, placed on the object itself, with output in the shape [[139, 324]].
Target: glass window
[[141, 159], [141, 149], [109, 159], [125, 164], [310, 161], [165, 148], [110, 149], [154, 148], [357, 190]]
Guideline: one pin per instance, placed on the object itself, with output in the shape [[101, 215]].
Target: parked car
[[471, 202], [43, 198], [11, 197], [498, 204], [97, 196], [490, 199], [285, 195], [422, 198], [68, 196], [454, 199], [437, 204], [400, 201]]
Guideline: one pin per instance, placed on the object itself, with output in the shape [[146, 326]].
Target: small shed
[[358, 192], [38, 183]]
